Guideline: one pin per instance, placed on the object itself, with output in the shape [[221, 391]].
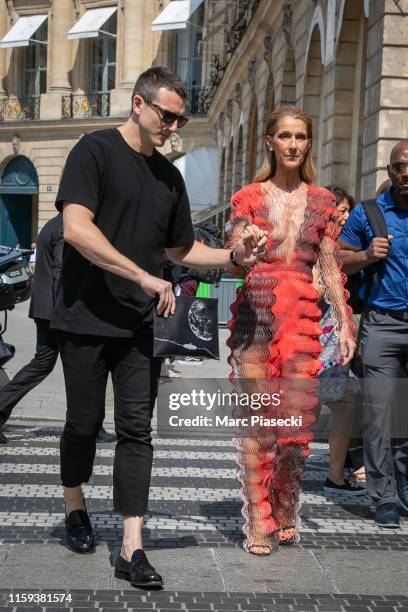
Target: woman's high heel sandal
[[251, 544], [266, 550], [288, 541]]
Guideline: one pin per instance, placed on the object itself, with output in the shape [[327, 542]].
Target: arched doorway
[[289, 80], [228, 173], [269, 100], [18, 188], [313, 99], [349, 98], [253, 140], [222, 176], [237, 178]]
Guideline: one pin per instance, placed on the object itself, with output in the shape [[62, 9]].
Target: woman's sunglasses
[[167, 117]]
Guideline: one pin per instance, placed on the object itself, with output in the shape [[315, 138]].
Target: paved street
[[192, 532]]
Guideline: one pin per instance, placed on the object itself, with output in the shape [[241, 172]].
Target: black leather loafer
[[138, 571], [80, 534]]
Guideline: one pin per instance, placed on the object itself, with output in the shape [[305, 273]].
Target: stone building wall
[[344, 61]]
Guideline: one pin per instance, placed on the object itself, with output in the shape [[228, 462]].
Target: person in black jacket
[[50, 245]]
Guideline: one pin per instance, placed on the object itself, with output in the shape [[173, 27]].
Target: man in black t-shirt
[[124, 204]]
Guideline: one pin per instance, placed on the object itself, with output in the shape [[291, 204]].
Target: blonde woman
[[275, 326]]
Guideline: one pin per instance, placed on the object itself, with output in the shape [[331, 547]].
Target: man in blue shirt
[[384, 343]]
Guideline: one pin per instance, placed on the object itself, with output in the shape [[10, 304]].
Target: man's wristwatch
[[232, 258]]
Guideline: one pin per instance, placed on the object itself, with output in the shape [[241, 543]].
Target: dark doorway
[[18, 186], [15, 220]]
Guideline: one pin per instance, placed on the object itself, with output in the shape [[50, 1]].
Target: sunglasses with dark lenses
[[399, 167], [167, 117]]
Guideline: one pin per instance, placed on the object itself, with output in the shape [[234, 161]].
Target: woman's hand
[[347, 346], [250, 246]]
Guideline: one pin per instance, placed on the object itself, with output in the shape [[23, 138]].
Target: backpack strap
[[375, 218], [379, 228]]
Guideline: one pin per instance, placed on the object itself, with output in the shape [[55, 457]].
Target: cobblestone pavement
[[193, 535]]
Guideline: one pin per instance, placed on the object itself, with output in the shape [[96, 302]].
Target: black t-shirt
[[140, 204]]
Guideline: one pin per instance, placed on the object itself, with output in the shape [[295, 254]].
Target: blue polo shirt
[[391, 289]]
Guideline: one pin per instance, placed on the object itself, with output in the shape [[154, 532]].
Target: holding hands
[[250, 246]]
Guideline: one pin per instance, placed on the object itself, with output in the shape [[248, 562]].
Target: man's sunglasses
[[167, 117], [399, 167]]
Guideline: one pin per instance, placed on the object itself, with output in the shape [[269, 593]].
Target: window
[[103, 68], [35, 63], [188, 56]]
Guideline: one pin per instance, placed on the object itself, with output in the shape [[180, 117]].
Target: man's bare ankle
[[74, 500], [128, 550]]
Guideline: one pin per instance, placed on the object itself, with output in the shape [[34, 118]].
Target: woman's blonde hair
[[306, 170]]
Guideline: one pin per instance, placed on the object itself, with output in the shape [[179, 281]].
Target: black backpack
[[207, 233]]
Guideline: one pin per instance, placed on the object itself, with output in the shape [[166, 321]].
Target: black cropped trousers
[[87, 361]]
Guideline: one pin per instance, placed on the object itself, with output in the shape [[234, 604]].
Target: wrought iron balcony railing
[[20, 109], [83, 106], [234, 32], [245, 11]]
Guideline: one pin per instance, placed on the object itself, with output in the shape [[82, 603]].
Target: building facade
[[344, 61], [67, 68]]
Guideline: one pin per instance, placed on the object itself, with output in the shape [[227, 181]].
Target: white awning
[[176, 15], [201, 176], [91, 22], [22, 31]]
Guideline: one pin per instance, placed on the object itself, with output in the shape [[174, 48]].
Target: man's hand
[[163, 290], [378, 249], [250, 246], [347, 346]]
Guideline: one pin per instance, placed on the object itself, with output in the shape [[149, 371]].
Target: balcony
[[20, 109], [84, 106], [234, 31]]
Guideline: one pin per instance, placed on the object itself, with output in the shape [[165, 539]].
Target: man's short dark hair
[[153, 79]]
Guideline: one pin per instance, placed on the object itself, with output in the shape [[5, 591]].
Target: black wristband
[[232, 258]]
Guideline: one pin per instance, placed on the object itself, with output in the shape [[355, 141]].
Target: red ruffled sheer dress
[[275, 345]]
